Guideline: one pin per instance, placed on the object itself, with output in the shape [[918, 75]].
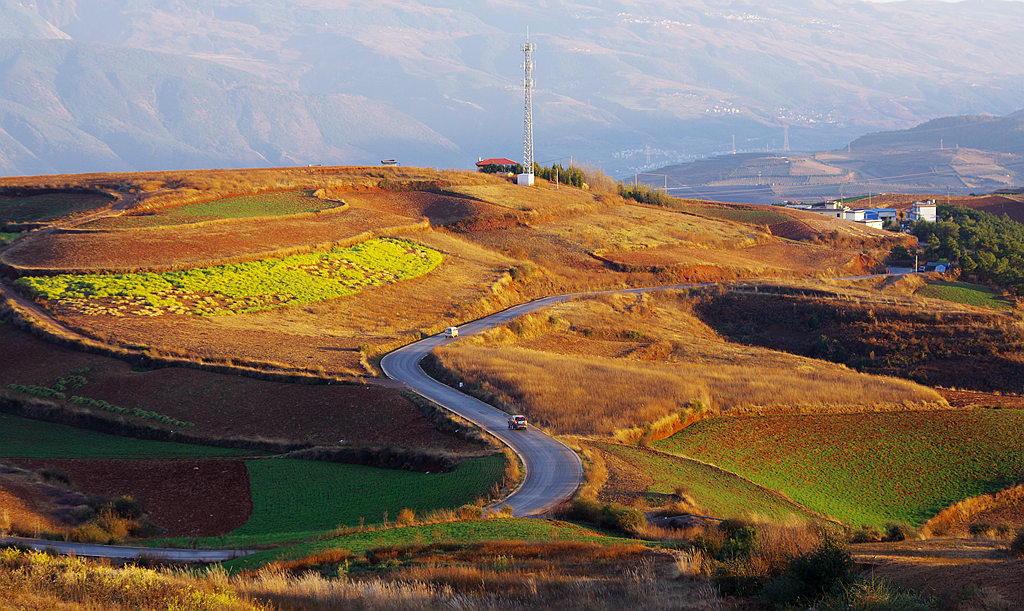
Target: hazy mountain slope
[[618, 81], [71, 106], [985, 132], [979, 154]]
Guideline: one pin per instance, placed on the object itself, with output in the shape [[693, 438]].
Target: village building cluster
[[873, 217]]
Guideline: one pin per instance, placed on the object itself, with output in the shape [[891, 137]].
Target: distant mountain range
[[952, 155], [622, 84]]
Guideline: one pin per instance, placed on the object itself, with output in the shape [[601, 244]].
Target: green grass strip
[[469, 532], [242, 206], [295, 500], [25, 438], [866, 468], [719, 494], [966, 293], [253, 286]]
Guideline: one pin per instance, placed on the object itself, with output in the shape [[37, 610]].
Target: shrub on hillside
[[875, 593], [898, 531], [1017, 545], [866, 534], [826, 570], [980, 529], [608, 515]]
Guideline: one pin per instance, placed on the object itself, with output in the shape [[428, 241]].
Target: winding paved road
[[552, 470]]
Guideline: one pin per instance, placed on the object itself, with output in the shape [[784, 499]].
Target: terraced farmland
[[296, 499], [965, 292], [868, 468], [718, 494], [41, 207], [281, 203], [24, 438], [241, 287]]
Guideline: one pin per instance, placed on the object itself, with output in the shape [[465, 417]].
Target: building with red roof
[[502, 164]]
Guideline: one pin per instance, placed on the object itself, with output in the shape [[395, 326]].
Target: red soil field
[[439, 209], [793, 230], [226, 405], [187, 498]]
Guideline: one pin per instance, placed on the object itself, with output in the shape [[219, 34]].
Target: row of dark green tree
[[986, 246], [571, 175]]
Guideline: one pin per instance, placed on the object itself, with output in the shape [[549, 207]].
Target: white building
[[922, 211]]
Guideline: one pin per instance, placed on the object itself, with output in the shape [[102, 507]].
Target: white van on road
[[451, 332]]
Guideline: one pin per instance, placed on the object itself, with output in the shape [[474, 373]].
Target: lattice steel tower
[[526, 178]]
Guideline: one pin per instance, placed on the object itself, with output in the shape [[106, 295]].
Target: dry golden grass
[[18, 517], [954, 519], [33, 580], [485, 576], [543, 201], [619, 362], [973, 574]]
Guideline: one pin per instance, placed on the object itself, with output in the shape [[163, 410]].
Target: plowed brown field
[[187, 498]]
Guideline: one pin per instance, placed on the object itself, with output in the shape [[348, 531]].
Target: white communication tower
[[526, 178]]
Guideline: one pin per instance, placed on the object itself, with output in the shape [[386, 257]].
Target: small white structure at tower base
[[524, 179]]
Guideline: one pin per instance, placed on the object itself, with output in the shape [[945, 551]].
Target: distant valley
[[949, 156]]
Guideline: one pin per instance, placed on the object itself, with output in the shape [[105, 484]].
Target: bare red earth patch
[[187, 498], [793, 230]]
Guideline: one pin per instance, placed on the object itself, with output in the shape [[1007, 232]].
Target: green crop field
[[471, 531], [243, 206], [47, 206], [241, 287], [964, 292], [24, 438], [295, 500], [719, 494], [866, 469]]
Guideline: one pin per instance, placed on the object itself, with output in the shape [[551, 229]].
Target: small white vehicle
[[517, 422], [451, 332]]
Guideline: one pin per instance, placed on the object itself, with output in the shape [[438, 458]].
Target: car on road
[[451, 332], [517, 422]]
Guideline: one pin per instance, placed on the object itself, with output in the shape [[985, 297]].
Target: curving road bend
[[552, 472]]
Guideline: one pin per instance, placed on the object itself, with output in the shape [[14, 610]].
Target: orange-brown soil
[[187, 498]]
